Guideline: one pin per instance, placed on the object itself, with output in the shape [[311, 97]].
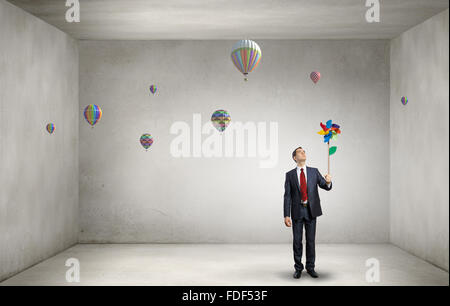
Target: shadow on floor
[[288, 275]]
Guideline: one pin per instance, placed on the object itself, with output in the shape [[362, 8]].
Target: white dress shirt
[[306, 175]]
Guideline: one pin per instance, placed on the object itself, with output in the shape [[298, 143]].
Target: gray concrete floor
[[228, 264]]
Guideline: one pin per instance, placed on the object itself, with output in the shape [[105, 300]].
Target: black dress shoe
[[297, 274], [313, 273]]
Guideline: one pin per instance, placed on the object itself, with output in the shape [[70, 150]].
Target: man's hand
[[328, 178], [287, 221]]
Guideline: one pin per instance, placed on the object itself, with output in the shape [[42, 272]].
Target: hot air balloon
[[146, 140], [92, 114], [404, 100], [220, 119], [153, 89], [50, 128], [246, 55], [315, 76]]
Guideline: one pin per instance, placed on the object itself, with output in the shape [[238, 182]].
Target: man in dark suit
[[302, 203]]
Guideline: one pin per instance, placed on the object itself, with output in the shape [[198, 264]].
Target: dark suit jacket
[[292, 194]]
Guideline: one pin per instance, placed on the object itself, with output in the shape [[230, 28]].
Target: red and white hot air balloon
[[315, 76]]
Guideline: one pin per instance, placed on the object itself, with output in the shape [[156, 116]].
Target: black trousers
[[310, 233]]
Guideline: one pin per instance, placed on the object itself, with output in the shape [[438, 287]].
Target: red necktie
[[303, 186]]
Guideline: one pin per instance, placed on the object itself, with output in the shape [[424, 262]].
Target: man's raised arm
[[322, 183]]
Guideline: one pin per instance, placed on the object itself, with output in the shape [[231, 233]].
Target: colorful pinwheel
[[329, 131]]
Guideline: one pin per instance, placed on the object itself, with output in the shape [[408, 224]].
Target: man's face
[[300, 155]]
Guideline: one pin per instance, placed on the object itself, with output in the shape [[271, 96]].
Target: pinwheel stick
[[329, 157]]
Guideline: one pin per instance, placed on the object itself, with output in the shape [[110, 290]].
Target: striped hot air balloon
[[146, 140], [50, 128], [246, 55], [153, 89], [92, 114], [220, 119]]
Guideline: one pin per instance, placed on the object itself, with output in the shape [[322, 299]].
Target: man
[[302, 203]]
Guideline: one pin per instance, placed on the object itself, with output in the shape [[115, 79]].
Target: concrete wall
[[38, 171], [130, 195], [419, 140]]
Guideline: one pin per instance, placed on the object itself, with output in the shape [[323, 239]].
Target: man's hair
[[295, 151]]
